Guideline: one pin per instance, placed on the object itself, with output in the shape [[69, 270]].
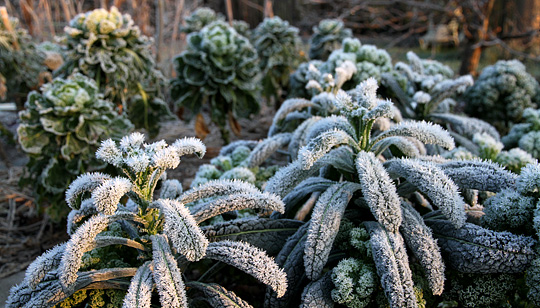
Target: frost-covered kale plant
[[369, 62], [430, 87], [322, 88], [108, 47], [279, 49], [123, 239], [21, 63], [200, 18], [526, 135], [218, 73], [242, 160], [298, 80], [517, 209], [364, 195], [431, 93], [487, 146], [501, 94], [327, 37], [204, 16], [60, 130]]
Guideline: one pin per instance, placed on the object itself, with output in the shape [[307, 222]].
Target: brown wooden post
[[228, 4], [160, 11], [473, 51], [177, 15], [268, 10]]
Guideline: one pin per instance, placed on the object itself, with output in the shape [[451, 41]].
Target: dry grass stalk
[[65, 8], [5, 20]]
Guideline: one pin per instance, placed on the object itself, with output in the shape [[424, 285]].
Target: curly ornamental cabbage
[[154, 240], [107, 47], [21, 62], [327, 37], [60, 129], [204, 16], [200, 18], [501, 94], [279, 49], [218, 71]]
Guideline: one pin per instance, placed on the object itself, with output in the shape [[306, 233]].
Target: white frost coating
[[287, 107], [251, 260], [459, 85], [312, 84], [324, 226], [182, 229], [189, 145], [86, 209], [43, 264], [155, 147], [139, 294], [392, 266], [322, 144], [108, 194], [131, 142], [138, 162], [344, 102], [109, 153], [266, 148], [383, 109], [81, 242], [368, 92], [425, 132], [421, 97], [241, 173], [217, 188], [329, 123], [84, 183], [420, 240], [167, 275], [415, 63], [238, 201], [407, 146], [379, 191], [166, 158], [529, 179], [344, 73], [170, 189], [432, 181]]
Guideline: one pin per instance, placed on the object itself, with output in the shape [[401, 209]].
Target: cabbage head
[[60, 130], [327, 37], [218, 72], [279, 49], [108, 47], [501, 94]]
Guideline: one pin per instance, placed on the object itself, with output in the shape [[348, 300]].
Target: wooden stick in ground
[[65, 8], [268, 10], [228, 3], [7, 24], [160, 10], [177, 15], [49, 17]]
